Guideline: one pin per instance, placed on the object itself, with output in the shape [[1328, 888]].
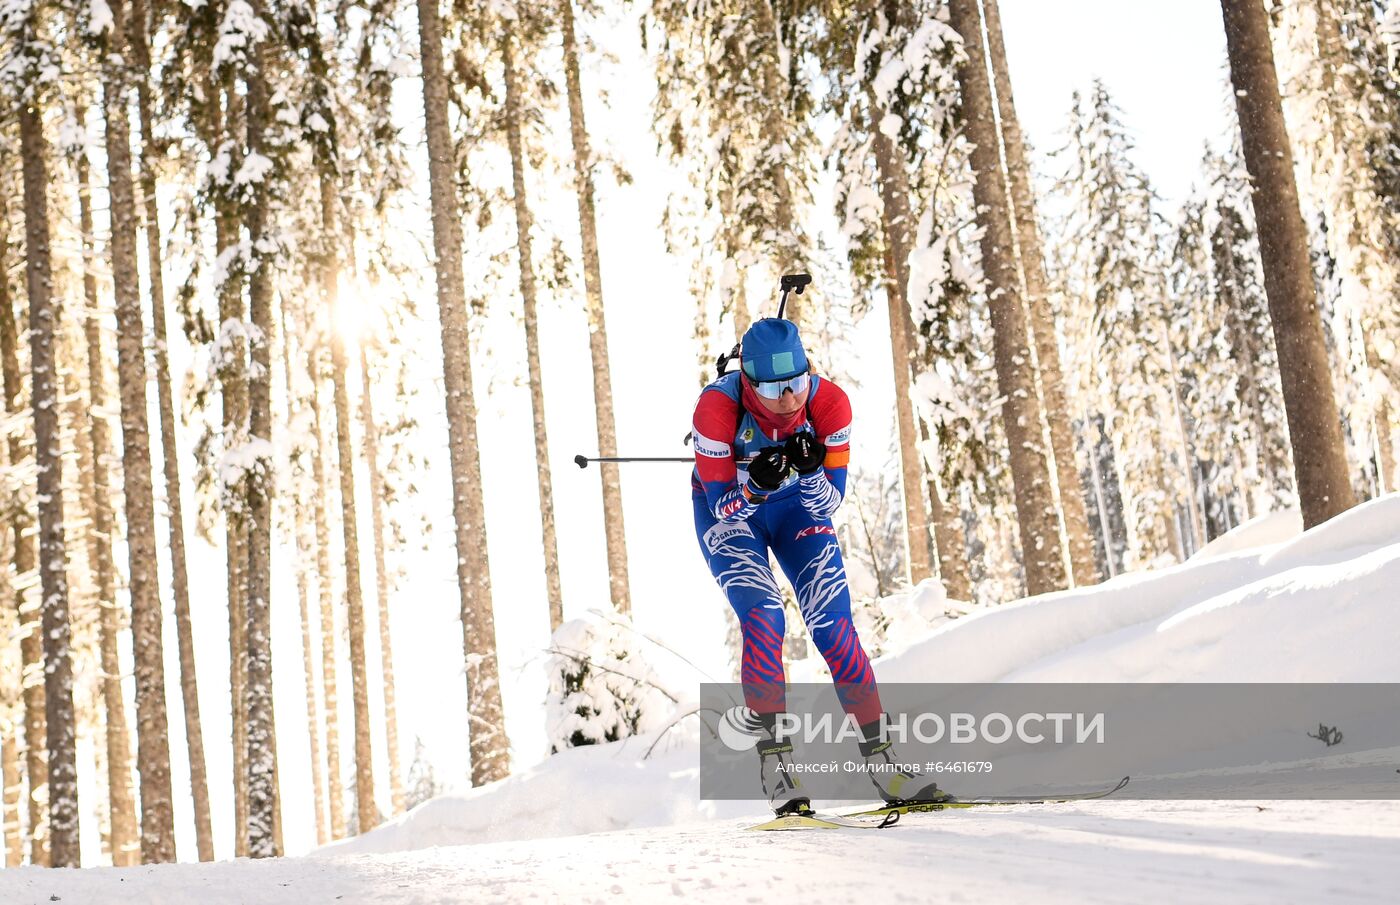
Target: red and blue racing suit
[[736, 532]]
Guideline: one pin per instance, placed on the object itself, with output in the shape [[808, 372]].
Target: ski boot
[[897, 785], [780, 784]]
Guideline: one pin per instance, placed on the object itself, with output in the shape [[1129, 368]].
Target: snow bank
[[581, 790], [1319, 607], [1261, 531]]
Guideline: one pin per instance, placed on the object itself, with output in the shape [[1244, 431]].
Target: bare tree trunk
[[262, 739], [1030, 469], [953, 569], [313, 710], [13, 784], [490, 748], [329, 663], [60, 724], [523, 222], [1042, 325], [354, 597], [381, 583], [184, 632], [894, 189], [93, 456], [1314, 426], [614, 533], [36, 765], [152, 735]]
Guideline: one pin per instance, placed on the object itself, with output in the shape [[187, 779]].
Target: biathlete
[[772, 445]]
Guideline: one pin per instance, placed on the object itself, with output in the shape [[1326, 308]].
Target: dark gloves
[[768, 468], [805, 452]]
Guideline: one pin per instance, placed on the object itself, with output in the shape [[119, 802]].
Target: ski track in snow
[[1198, 852]]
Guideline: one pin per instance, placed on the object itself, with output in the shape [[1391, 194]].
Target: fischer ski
[[923, 807], [888, 815]]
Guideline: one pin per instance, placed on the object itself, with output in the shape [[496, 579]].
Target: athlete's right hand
[[768, 468]]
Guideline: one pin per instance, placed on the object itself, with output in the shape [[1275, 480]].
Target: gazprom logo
[[841, 436], [712, 448]]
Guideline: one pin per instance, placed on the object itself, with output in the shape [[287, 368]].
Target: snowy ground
[[1105, 852], [624, 821]]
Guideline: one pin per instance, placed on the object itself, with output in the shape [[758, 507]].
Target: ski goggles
[[773, 389]]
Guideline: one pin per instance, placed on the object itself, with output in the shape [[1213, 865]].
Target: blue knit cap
[[772, 350]]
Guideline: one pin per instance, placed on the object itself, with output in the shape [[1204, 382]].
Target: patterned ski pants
[[807, 552]]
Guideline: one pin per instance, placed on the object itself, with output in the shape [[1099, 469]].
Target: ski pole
[[795, 282], [582, 461]]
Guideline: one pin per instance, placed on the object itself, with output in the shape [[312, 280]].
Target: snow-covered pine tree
[[423, 783], [1208, 380], [94, 452], [895, 93], [1237, 282], [1343, 105], [1112, 273], [145, 21], [28, 67], [1314, 426], [153, 742], [1069, 490], [320, 130], [601, 688], [733, 105], [1036, 514], [19, 508]]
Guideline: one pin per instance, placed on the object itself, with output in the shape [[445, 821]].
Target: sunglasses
[[773, 389]]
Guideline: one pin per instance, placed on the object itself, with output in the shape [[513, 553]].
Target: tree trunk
[[60, 724], [1030, 469], [948, 537], [232, 367], [9, 800], [1042, 320], [184, 632], [94, 453], [523, 222], [329, 662], [295, 498], [354, 597], [381, 583], [1314, 426], [36, 765], [152, 735], [490, 747], [262, 739], [894, 189], [614, 533]]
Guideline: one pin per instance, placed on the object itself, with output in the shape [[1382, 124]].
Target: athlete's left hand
[[805, 452]]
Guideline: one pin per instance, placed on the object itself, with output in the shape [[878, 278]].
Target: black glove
[[768, 468], [805, 452]]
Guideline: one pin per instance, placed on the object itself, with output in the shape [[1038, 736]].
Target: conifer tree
[[27, 66], [489, 745], [614, 533], [1035, 510], [1314, 426], [143, 23], [152, 736]]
